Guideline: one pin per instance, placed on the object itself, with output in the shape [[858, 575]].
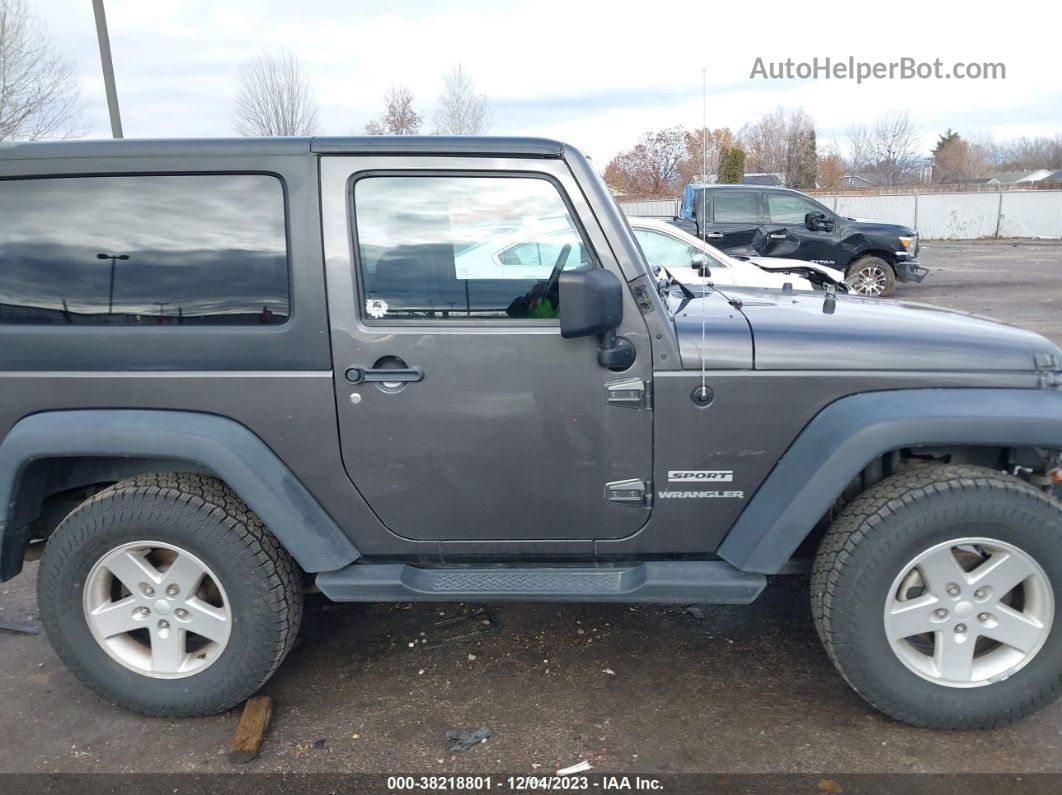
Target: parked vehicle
[[689, 259], [776, 222], [233, 369]]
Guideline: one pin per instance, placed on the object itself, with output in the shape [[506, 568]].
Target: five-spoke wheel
[[969, 612], [168, 596], [934, 593], [157, 609]]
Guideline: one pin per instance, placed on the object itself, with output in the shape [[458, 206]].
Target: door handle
[[362, 375], [777, 236], [714, 236]]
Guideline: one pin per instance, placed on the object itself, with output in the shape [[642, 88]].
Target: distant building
[[855, 181], [1013, 177]]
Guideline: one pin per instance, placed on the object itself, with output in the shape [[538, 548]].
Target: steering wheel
[[554, 276]]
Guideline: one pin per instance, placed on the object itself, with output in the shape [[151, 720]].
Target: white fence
[[650, 208], [936, 216]]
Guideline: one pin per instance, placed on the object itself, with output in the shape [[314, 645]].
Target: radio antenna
[[702, 222]]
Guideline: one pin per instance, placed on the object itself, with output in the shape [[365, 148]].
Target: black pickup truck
[[439, 369], [747, 220]]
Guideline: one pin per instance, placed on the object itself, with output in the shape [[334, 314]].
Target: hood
[[790, 331], [869, 225]]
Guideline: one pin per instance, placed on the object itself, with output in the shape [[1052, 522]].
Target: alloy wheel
[[969, 612], [869, 280], [157, 609]]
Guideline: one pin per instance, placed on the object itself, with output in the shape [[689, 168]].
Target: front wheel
[[167, 596], [936, 593], [871, 276]]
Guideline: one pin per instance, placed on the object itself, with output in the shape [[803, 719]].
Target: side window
[[785, 209], [736, 206], [205, 249], [458, 247], [664, 251]]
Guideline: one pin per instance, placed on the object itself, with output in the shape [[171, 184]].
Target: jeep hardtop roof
[[365, 144]]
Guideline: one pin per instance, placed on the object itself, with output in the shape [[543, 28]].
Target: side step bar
[[710, 582]]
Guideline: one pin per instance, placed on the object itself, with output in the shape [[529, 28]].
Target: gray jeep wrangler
[[438, 369]]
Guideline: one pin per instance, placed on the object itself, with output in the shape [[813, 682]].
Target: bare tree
[[887, 149], [1030, 153], [801, 158], [399, 117], [39, 96], [830, 170], [461, 111], [768, 141], [703, 149], [274, 98], [654, 166], [956, 159]]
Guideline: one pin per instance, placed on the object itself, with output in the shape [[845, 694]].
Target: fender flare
[[852, 431], [221, 445]]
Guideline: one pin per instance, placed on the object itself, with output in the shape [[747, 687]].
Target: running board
[[709, 582]]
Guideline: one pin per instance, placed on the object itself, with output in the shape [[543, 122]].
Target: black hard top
[[366, 144]]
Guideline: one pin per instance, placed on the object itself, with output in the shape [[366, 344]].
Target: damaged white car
[[688, 258]]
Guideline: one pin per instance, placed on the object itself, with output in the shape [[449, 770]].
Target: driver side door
[[788, 235]]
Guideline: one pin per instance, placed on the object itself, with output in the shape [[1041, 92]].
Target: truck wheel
[[168, 596], [871, 276], [935, 594]]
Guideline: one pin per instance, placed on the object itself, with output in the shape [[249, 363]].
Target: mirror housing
[[818, 222], [591, 302], [699, 262]]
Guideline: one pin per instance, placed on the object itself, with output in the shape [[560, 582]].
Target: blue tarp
[[688, 195]]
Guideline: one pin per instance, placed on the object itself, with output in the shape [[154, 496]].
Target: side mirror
[[818, 222], [699, 262], [591, 302]]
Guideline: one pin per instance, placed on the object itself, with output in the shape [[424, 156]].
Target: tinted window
[[451, 247], [664, 251], [736, 206], [785, 209], [144, 250]]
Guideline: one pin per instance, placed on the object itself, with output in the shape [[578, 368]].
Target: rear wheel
[[168, 596], [936, 594], [871, 276]]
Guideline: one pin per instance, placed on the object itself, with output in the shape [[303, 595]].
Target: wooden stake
[[252, 728]]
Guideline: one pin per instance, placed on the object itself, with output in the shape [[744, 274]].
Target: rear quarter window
[[153, 250]]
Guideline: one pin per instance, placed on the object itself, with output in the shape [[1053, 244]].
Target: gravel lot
[[649, 689], [1017, 282]]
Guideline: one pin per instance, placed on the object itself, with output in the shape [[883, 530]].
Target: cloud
[[596, 73]]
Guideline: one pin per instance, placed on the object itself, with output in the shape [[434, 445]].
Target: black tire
[[878, 263], [883, 529], [204, 517]]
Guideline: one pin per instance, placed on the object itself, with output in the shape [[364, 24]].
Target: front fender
[[224, 447], [853, 431]]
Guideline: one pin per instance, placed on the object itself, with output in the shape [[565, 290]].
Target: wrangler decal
[[688, 495]]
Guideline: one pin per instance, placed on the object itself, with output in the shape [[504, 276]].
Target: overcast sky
[[596, 74]]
